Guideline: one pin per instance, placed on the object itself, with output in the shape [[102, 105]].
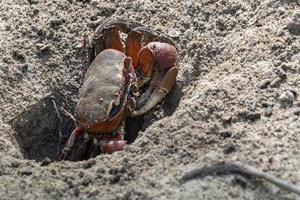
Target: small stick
[[68, 114], [59, 124], [237, 167], [58, 115]]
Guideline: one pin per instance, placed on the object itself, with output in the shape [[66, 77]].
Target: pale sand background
[[219, 110]]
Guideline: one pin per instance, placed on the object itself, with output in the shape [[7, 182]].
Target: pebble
[[286, 99], [269, 111], [45, 162]]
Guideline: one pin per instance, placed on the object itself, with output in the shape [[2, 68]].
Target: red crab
[[111, 87]]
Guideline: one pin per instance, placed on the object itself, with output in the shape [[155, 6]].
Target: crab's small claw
[[157, 96]]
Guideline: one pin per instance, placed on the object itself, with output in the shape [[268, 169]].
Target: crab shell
[[104, 94]]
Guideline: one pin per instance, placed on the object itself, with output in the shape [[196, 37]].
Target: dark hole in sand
[[41, 134], [39, 128]]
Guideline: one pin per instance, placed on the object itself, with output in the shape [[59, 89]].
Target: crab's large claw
[[157, 61], [159, 92]]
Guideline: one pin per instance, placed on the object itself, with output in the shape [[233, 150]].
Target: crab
[[121, 81]]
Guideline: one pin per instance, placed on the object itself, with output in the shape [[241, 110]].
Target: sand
[[236, 99]]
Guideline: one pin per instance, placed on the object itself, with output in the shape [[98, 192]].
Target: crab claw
[[159, 93], [157, 96]]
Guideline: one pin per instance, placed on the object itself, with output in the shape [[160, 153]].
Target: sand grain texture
[[236, 99]]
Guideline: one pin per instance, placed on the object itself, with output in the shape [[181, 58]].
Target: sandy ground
[[236, 99]]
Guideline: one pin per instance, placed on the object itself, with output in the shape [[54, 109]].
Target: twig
[[68, 114], [236, 167], [58, 115], [59, 124]]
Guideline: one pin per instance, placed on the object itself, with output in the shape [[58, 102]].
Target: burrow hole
[[41, 134]]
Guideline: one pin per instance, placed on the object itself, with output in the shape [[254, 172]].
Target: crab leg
[[126, 27], [159, 93], [113, 146], [99, 44], [112, 39], [122, 25], [133, 46], [82, 149], [88, 44], [71, 141]]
